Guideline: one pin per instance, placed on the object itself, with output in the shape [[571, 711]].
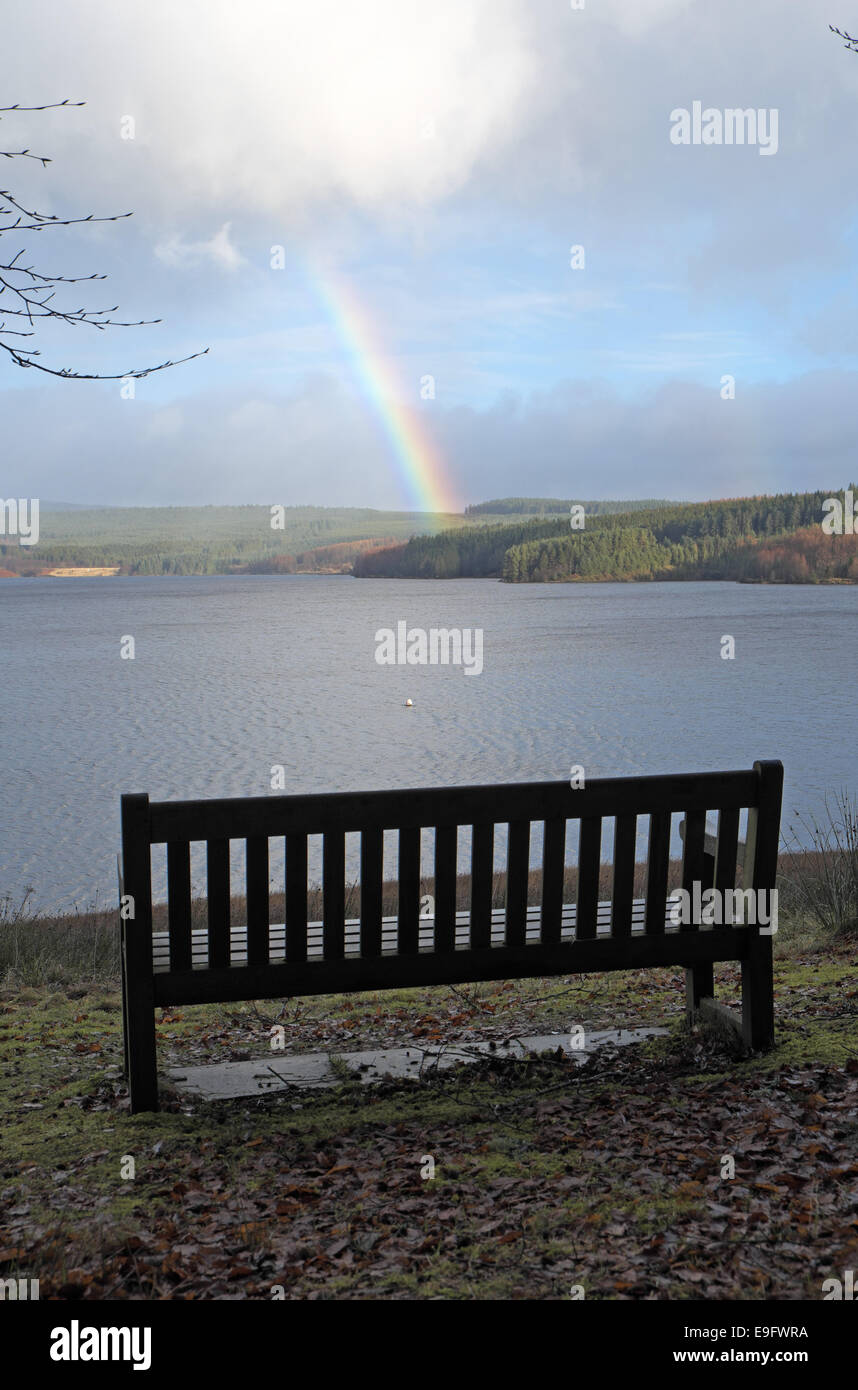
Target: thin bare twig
[[848, 41]]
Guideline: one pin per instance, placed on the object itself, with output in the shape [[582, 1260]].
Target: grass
[[823, 885], [72, 948]]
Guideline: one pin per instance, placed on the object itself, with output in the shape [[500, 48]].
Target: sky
[[366, 209]]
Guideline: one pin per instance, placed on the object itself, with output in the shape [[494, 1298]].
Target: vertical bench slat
[[699, 978], [658, 868], [408, 929], [727, 849], [217, 887], [334, 894], [179, 903], [625, 833], [446, 837], [257, 900], [517, 873], [371, 852], [694, 859], [296, 897], [553, 871], [589, 867], [482, 867]]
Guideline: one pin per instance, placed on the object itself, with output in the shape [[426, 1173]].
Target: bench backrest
[[519, 806]]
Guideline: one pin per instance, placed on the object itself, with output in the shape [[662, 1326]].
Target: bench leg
[[124, 1018], [758, 1004], [123, 971], [699, 984], [140, 1042]]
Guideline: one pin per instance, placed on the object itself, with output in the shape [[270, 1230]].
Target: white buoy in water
[[409, 704]]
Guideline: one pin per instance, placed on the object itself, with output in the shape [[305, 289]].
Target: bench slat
[[296, 897], [727, 849], [409, 891], [482, 866], [179, 903], [334, 894], [217, 886], [371, 856], [318, 813], [517, 866], [445, 887], [257, 900], [589, 866], [326, 977], [625, 835], [658, 867], [694, 857], [553, 871]]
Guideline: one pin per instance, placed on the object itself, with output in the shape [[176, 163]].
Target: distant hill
[[47, 506], [756, 539], [201, 540]]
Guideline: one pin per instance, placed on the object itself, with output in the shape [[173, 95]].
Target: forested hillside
[[776, 539], [557, 506], [477, 552], [336, 559], [802, 558]]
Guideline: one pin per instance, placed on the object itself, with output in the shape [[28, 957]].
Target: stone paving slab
[[314, 1070]]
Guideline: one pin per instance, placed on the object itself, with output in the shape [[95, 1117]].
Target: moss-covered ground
[[661, 1170]]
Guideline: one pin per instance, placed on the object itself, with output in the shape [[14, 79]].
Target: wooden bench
[[255, 959]]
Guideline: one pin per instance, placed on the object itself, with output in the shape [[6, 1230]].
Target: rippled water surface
[[235, 675]]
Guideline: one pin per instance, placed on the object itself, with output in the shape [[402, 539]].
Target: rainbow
[[422, 469]]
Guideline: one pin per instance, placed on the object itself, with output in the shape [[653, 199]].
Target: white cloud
[[276, 105], [218, 249]]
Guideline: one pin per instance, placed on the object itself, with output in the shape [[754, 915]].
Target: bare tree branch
[[30, 294], [25, 154], [849, 42], [50, 106], [25, 359]]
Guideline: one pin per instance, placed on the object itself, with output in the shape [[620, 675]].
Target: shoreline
[[116, 572]]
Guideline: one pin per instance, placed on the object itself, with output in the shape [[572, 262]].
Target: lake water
[[232, 676]]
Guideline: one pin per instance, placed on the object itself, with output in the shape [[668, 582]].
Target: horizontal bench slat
[[506, 962], [339, 812]]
